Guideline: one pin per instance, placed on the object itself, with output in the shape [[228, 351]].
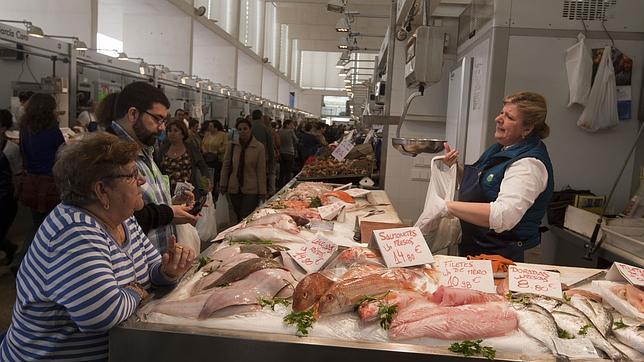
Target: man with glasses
[[140, 113]]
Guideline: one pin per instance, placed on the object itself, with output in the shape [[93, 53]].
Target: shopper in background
[[23, 98], [309, 143], [10, 167], [140, 114], [180, 159], [288, 144], [213, 147], [105, 111], [264, 136], [504, 195], [91, 265], [87, 118], [243, 174], [273, 171], [318, 131], [193, 130], [40, 139]]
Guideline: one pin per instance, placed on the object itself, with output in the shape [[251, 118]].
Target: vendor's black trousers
[[244, 204]]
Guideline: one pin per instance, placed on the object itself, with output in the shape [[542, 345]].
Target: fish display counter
[[294, 281]]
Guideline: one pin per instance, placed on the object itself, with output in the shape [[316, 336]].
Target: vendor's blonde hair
[[533, 108]]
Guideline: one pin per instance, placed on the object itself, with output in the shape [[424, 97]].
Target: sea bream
[[575, 323], [596, 312], [632, 336], [536, 322]]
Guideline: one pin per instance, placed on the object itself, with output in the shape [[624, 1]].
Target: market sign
[[314, 254], [402, 247], [467, 274], [537, 281], [343, 149], [620, 271]]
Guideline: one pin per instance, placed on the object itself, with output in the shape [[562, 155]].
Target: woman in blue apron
[[504, 195]]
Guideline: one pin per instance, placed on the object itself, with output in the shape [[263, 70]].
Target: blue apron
[[481, 183]]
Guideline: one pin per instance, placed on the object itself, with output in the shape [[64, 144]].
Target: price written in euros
[[524, 279], [402, 247], [314, 254], [468, 274]]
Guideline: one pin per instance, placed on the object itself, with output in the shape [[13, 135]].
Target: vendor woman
[[503, 196], [90, 264]]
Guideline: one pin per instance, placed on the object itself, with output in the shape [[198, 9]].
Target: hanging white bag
[[579, 68], [601, 107], [207, 223], [188, 236], [222, 212], [440, 231]]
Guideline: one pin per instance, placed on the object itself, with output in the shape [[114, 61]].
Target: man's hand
[[182, 216]]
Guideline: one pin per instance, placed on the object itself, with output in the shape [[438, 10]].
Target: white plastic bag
[[579, 67], [188, 236], [222, 211], [207, 223], [440, 232], [601, 107]]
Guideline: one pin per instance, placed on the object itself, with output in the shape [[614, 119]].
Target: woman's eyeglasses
[[131, 177]]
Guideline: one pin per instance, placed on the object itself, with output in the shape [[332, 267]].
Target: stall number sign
[[313, 254], [468, 274], [343, 149], [537, 281], [402, 247], [632, 274]]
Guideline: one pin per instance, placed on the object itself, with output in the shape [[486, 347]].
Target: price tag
[[369, 136], [343, 149], [357, 192], [537, 281], [402, 247], [329, 212], [468, 274], [314, 254], [620, 271]]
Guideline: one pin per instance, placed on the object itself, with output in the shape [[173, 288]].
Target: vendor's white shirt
[[523, 182], [12, 152], [85, 118]]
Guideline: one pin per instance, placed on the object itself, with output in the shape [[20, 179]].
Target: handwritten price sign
[[314, 254], [343, 149], [632, 274], [537, 281], [403, 247], [468, 274]]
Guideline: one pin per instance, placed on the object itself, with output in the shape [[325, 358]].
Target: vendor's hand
[[186, 198], [451, 156], [182, 215], [176, 260]]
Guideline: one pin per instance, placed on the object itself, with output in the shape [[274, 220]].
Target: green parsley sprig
[[203, 261], [563, 334], [584, 330], [473, 348], [263, 302], [302, 320], [620, 324]]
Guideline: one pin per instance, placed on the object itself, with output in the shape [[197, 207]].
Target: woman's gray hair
[[87, 160]]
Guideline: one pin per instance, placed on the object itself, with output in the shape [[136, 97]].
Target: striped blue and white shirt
[[70, 287]]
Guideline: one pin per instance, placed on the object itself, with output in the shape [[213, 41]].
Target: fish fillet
[[449, 297], [470, 321]]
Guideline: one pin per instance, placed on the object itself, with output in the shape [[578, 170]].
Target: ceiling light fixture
[[343, 25], [122, 56], [336, 6], [143, 66], [32, 29]]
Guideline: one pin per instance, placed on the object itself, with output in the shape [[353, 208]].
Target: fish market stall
[[293, 281]]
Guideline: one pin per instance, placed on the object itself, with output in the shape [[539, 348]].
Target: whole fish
[[600, 316], [265, 283], [213, 274], [309, 290], [368, 310], [263, 233], [632, 336], [280, 221], [537, 323], [576, 323], [242, 270], [345, 294]]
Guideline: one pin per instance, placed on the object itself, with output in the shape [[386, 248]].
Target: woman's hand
[[182, 215], [176, 260], [451, 156]]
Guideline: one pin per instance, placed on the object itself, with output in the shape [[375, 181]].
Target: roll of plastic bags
[[579, 68], [601, 107]]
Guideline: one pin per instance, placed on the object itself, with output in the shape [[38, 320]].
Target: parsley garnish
[[473, 348], [303, 320], [620, 324], [263, 302]]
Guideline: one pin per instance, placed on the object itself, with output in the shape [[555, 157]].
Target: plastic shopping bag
[[188, 236], [601, 107], [579, 67], [207, 223], [440, 231], [222, 213]]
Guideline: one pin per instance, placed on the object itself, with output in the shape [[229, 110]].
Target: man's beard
[[144, 136]]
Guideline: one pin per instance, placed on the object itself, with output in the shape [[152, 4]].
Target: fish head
[[330, 303], [309, 290]]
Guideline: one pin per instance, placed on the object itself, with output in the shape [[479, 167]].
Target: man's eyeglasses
[[157, 118], [131, 177]]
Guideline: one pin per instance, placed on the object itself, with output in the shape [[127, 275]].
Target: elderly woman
[[243, 174], [90, 264], [504, 195]]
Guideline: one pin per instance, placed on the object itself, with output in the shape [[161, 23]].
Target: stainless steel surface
[[597, 276], [391, 50], [415, 146]]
